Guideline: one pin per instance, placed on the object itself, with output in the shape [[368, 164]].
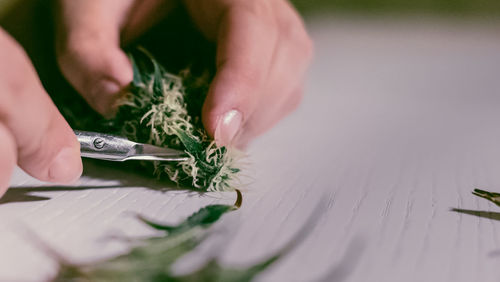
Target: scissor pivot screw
[[99, 143]]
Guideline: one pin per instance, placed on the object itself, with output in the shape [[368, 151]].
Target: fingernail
[[228, 126], [66, 167]]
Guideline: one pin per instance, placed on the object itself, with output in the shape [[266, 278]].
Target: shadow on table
[[494, 254], [121, 176], [22, 193], [483, 214], [350, 260], [128, 174]]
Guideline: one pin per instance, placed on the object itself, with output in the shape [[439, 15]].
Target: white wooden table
[[400, 122]]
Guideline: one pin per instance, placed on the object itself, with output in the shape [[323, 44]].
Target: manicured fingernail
[[66, 166], [228, 126]]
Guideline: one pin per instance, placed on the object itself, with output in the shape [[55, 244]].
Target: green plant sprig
[[164, 109], [152, 259], [156, 110], [490, 196]]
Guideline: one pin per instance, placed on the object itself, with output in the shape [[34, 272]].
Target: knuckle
[[250, 77], [82, 52], [33, 145], [78, 40], [96, 71], [18, 80], [293, 31], [18, 87], [69, 47], [297, 36], [257, 7], [15, 92], [242, 73], [257, 12], [72, 54], [33, 149]]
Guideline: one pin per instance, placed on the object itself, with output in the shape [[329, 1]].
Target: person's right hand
[[33, 133]]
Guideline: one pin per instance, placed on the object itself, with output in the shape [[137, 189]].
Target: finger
[[245, 46], [8, 159], [88, 49], [143, 16], [267, 117], [46, 146], [284, 88]]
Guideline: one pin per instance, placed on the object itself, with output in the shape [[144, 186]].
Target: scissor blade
[[155, 153]]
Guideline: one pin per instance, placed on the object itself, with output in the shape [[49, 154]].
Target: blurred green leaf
[[203, 218], [490, 196]]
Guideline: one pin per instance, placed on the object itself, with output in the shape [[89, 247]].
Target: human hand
[[263, 52], [33, 133]]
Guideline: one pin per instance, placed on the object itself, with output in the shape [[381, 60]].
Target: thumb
[[46, 146], [89, 53]]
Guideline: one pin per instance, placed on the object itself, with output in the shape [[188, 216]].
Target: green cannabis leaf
[[152, 259], [164, 109], [204, 218], [491, 196], [155, 110], [212, 271], [143, 263]]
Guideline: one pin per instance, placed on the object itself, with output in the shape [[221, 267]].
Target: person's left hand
[[263, 51]]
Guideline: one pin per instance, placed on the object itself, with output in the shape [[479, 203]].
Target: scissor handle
[[104, 146]]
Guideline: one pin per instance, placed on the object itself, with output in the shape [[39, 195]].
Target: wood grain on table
[[400, 122]]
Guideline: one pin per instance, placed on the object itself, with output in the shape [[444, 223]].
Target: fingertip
[[66, 167], [223, 114], [99, 71], [51, 152], [103, 97], [115, 76], [229, 103]]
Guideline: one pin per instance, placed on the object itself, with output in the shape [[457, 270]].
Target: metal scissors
[[116, 148]]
